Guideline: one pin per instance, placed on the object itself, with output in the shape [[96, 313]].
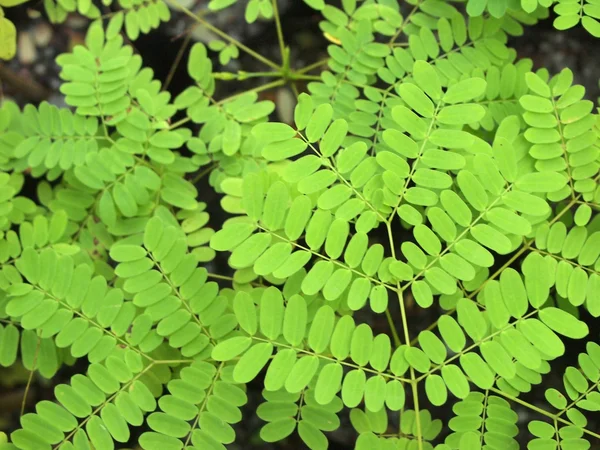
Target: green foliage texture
[[427, 166]]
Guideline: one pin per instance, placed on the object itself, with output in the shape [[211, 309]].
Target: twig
[[35, 357]]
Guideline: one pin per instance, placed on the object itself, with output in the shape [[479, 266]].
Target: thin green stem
[[404, 23], [540, 411], [349, 365], [30, 378], [294, 88], [203, 173], [302, 76], [279, 32], [224, 35], [109, 399], [241, 75], [312, 66], [390, 320], [413, 379], [216, 276], [516, 256], [264, 87], [177, 61], [202, 407]]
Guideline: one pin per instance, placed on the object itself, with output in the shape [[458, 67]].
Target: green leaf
[[304, 108], [537, 85], [302, 373], [399, 142], [477, 370], [416, 99], [273, 132], [353, 388], [427, 79], [515, 343], [432, 346], [216, 5], [454, 139], [441, 280], [252, 362], [375, 388], [333, 138], [513, 292], [272, 259], [229, 349], [361, 344], [472, 189], [465, 90], [125, 253], [461, 114], [436, 391], [317, 277], [321, 329], [281, 150], [452, 333], [248, 251], [8, 38], [555, 398], [591, 25], [328, 383], [563, 323], [319, 122], [495, 305], [271, 313], [526, 203], [471, 319], [498, 359], [231, 236], [412, 123], [418, 359], [275, 206], [470, 441], [311, 435], [315, 4], [395, 395], [278, 430], [543, 182], [279, 369], [334, 197], [294, 321], [542, 338], [491, 238], [455, 380]]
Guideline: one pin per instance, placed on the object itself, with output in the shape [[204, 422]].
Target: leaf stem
[[177, 61], [279, 33], [413, 379], [224, 35]]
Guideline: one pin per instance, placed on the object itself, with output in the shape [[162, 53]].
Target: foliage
[[424, 128]]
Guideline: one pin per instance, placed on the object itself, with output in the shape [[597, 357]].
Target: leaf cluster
[[426, 166]]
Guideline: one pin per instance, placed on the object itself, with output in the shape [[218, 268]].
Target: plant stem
[[413, 378], [539, 410], [263, 87], [219, 277], [279, 32], [388, 316], [203, 173], [229, 76], [175, 64], [224, 35], [312, 66], [30, 378]]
